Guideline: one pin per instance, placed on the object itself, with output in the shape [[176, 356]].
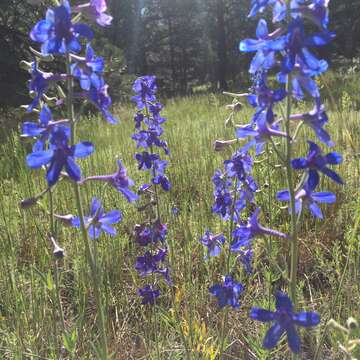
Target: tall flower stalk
[[56, 149]]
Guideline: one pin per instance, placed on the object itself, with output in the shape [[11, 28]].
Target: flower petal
[[262, 314], [83, 149], [272, 336], [38, 159]]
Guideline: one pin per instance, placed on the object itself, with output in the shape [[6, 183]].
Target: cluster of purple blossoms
[[54, 149], [151, 233], [287, 50]]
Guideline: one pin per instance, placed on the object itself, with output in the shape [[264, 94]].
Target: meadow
[[47, 307]]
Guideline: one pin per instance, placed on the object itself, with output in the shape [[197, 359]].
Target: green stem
[[94, 271], [289, 174]]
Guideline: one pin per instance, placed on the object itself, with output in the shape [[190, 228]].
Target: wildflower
[[100, 98], [246, 232], [245, 256], [145, 88], [57, 34], [41, 130], [58, 252], [88, 69], [307, 196], [265, 46], [119, 180], [317, 11], [227, 294], [148, 294], [213, 243], [285, 321], [260, 134], [95, 11], [60, 155], [98, 220], [40, 82], [315, 162], [297, 46], [239, 165], [279, 8], [316, 119], [149, 264]]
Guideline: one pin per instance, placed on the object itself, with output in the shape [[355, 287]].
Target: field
[[33, 284]]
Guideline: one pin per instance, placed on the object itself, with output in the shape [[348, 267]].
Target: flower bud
[[25, 65], [58, 252], [235, 106], [65, 219], [352, 323], [28, 203], [220, 145]]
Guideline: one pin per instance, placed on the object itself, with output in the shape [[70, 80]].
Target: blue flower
[[285, 321], [246, 232], [239, 165], [316, 161], [119, 180], [40, 82], [145, 88], [163, 181], [316, 119], [149, 264], [98, 220], [41, 130], [229, 293], [260, 134], [60, 155], [307, 196], [145, 234], [279, 9], [265, 46], [57, 34], [87, 69], [148, 294], [213, 243], [317, 11], [297, 47], [301, 79], [100, 98], [95, 11], [245, 256], [146, 160]]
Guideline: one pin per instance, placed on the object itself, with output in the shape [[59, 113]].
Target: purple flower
[[244, 233], [120, 181], [60, 155], [145, 88], [228, 293], [87, 69], [316, 161], [163, 181], [285, 321], [57, 34], [279, 9], [95, 11], [213, 243], [148, 294], [316, 119], [307, 196], [98, 220], [317, 11], [40, 82], [246, 257], [149, 264], [145, 234], [100, 98], [146, 160], [239, 165], [41, 130], [297, 46], [260, 134], [265, 46]]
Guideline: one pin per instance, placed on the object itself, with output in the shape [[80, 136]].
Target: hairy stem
[[89, 257]]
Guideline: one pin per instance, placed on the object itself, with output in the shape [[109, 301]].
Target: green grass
[[30, 324]]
